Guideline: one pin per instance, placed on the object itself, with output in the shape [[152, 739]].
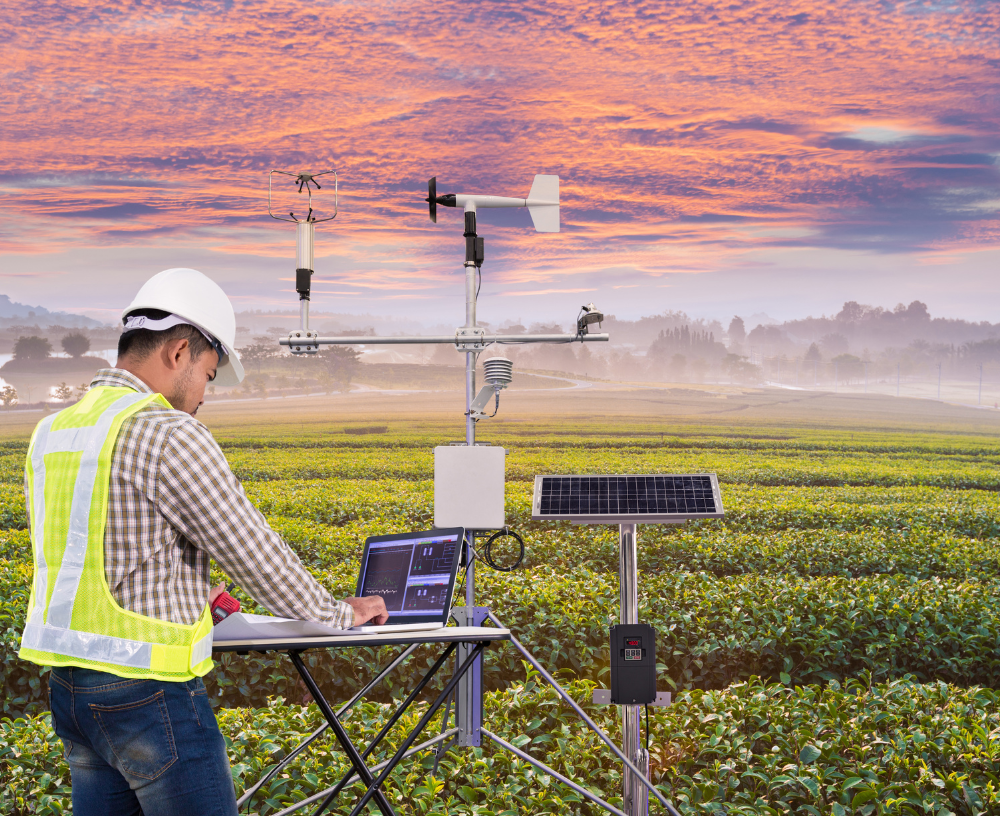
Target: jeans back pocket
[[139, 734]]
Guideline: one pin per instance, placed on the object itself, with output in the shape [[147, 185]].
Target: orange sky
[[714, 157]]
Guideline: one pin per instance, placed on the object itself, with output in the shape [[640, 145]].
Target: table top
[[447, 634]]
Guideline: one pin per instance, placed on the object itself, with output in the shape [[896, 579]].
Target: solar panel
[[628, 499]]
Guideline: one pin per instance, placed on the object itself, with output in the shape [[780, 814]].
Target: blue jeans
[[140, 746]]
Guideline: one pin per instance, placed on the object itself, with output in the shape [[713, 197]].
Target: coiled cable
[[488, 556]]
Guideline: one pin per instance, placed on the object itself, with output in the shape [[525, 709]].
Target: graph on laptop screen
[[413, 575]]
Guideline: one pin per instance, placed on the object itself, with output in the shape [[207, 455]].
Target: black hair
[[140, 343]]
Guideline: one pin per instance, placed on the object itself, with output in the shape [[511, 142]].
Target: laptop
[[415, 575]]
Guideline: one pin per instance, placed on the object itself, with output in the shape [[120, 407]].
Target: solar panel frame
[[633, 498]]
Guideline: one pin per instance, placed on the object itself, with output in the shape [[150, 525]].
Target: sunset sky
[[718, 158]]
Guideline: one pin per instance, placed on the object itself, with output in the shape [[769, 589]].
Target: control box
[[633, 664], [469, 487]]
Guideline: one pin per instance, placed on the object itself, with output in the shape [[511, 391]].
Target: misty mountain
[[859, 327], [12, 314]]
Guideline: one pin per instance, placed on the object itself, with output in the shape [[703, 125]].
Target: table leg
[[400, 710], [280, 766], [345, 742], [373, 787]]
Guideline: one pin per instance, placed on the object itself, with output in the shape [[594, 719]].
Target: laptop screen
[[413, 572]]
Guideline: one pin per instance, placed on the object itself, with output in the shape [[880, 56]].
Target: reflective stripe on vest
[[80, 455]]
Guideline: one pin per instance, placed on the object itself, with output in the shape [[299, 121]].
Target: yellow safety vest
[[73, 620]]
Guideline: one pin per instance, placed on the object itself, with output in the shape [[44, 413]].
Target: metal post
[[305, 242], [634, 794], [470, 323], [469, 694], [468, 701]]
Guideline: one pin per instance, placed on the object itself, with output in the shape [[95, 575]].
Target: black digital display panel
[[621, 498]]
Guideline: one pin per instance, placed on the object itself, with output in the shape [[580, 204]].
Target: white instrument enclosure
[[469, 487]]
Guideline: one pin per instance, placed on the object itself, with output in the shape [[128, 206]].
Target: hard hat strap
[[134, 322]]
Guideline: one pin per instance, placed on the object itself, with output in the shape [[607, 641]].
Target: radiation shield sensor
[[498, 373], [469, 487]]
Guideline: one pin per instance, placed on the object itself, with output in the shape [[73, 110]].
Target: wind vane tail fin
[[543, 203]]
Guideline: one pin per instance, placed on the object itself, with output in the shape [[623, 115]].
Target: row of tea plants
[[832, 644]]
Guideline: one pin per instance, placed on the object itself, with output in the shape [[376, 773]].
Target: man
[[129, 499]]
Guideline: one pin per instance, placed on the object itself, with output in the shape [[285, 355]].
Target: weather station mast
[[469, 478]]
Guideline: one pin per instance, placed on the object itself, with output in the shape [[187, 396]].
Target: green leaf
[[809, 754]]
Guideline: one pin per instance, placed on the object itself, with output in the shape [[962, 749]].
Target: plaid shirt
[[173, 505]]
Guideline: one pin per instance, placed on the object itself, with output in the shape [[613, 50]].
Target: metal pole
[[554, 774], [305, 242], [470, 323], [634, 794], [468, 711]]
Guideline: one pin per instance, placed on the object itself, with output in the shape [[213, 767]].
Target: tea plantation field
[[833, 644]]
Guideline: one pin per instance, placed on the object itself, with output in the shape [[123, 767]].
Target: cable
[[488, 550], [465, 573], [647, 729], [479, 271]]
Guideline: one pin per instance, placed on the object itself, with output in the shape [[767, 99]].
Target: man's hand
[[214, 593], [370, 609]]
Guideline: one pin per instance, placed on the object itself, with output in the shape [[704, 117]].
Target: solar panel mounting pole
[[635, 795], [626, 500]]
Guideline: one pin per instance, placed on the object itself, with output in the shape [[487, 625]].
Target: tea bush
[[832, 641]]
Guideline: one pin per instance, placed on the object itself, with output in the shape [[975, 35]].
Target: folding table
[[449, 637]]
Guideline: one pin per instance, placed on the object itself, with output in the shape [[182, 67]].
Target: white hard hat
[[191, 295]]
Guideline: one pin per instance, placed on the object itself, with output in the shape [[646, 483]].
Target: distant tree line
[[34, 347]]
